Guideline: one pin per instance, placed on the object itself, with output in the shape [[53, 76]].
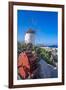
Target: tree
[[42, 53]]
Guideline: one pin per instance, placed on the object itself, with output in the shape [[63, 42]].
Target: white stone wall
[[30, 38]]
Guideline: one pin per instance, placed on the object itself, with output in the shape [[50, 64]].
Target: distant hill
[[55, 46], [42, 45]]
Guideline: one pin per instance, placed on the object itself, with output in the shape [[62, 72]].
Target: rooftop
[[30, 31]]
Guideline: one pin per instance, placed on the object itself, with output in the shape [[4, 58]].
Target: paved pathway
[[46, 71]]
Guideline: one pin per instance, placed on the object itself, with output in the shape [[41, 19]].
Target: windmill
[[30, 36]]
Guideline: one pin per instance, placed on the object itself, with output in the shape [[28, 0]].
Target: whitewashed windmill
[[30, 36]]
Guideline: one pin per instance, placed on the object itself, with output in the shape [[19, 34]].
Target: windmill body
[[30, 37]]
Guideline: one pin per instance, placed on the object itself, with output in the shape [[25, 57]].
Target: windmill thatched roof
[[30, 31]]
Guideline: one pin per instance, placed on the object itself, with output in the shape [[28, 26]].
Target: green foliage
[[45, 55], [21, 47], [41, 52]]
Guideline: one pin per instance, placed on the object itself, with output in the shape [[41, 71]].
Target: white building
[[30, 36]]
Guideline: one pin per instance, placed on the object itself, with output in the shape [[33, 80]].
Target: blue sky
[[45, 23]]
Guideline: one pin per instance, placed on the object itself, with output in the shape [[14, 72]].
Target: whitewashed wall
[[29, 38]]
